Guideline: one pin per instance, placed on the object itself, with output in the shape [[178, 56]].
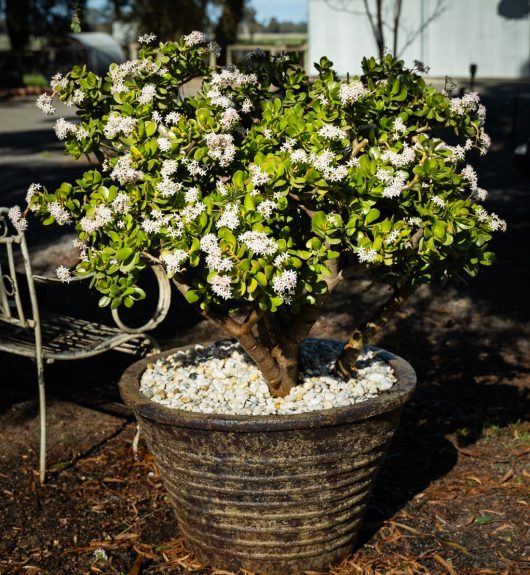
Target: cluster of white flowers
[[438, 201], [121, 203], [63, 274], [280, 259], [284, 284], [259, 176], [17, 219], [77, 98], [229, 218], [167, 187], [63, 128], [44, 103], [495, 223], [298, 156], [192, 211], [58, 83], [485, 142], [194, 38], [214, 257], [219, 99], [173, 117], [266, 207], [60, 213], [232, 77], [229, 118], [33, 190], [413, 221], [174, 260], [366, 256], [392, 237], [399, 159], [221, 147], [147, 94], [221, 286], [394, 184], [469, 174], [323, 163], [146, 38], [117, 124], [102, 216], [194, 168], [331, 132], [399, 126], [350, 93], [468, 102], [259, 243], [247, 106], [164, 144], [124, 172]]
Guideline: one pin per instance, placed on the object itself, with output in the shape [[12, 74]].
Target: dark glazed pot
[[271, 494]]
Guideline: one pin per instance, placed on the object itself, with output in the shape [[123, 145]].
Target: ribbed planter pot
[[274, 494]]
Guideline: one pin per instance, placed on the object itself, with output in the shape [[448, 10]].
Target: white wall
[[469, 31]]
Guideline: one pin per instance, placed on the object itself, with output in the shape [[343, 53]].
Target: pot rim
[[389, 400]]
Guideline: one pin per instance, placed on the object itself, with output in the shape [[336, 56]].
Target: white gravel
[[221, 379]]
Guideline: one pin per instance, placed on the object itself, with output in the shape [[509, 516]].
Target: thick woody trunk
[[345, 365]]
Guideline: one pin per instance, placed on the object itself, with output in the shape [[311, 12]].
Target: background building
[[447, 35]]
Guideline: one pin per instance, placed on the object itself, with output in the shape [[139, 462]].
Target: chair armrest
[[164, 301], [54, 281]]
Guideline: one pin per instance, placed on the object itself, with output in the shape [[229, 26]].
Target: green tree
[[226, 29]]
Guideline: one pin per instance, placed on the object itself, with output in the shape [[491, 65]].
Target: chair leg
[[42, 417]]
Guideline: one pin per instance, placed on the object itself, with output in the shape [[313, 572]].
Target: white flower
[[229, 218], [267, 132], [117, 124], [221, 286], [471, 176], [168, 188], [157, 117], [266, 208], [214, 48], [392, 237], [100, 553], [63, 274], [350, 93], [173, 261], [147, 38], [399, 159], [191, 195], [164, 144], [383, 175], [365, 255], [259, 243], [173, 117], [285, 283], [221, 147], [229, 118], [124, 172], [421, 67], [214, 260], [220, 186], [259, 177], [394, 187], [246, 106], [151, 226], [63, 128], [468, 102], [60, 214], [77, 97], [44, 103], [168, 167], [147, 94], [298, 156], [192, 211], [399, 126], [331, 132], [353, 163], [280, 259], [219, 99], [194, 168], [17, 219], [121, 203], [33, 190], [438, 201], [194, 38], [495, 223], [58, 83], [413, 221], [481, 194], [485, 142], [288, 145]]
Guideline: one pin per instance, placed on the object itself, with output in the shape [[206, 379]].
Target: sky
[[283, 10]]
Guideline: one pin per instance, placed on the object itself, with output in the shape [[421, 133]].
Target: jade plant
[[264, 190]]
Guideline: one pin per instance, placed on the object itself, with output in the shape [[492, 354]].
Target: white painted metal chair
[[28, 331]]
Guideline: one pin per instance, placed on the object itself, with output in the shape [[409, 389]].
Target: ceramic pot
[[271, 494]]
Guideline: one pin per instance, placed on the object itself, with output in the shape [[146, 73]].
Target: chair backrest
[[13, 308]]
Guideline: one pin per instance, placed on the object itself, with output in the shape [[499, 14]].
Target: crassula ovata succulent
[[264, 190]]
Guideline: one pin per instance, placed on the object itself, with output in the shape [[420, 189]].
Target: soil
[[453, 496]]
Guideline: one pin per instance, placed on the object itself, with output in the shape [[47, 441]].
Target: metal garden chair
[[28, 331]]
